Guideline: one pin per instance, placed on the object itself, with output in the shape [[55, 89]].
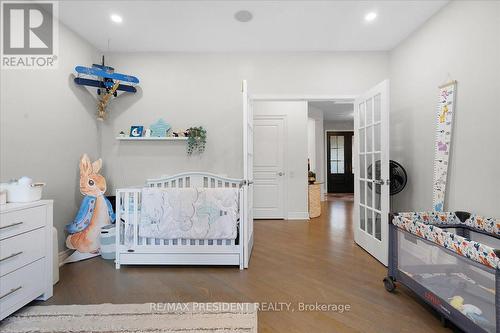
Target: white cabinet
[[25, 254]]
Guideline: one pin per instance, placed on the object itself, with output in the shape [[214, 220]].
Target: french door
[[371, 193], [339, 162], [248, 132]]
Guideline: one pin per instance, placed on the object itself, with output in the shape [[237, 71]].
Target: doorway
[[371, 146], [280, 160], [340, 176]]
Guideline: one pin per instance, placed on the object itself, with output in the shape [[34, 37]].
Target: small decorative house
[[160, 128]]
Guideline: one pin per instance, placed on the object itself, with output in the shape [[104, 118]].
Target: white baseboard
[[298, 216], [63, 255]]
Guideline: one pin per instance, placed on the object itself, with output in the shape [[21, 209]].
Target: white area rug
[[136, 318]]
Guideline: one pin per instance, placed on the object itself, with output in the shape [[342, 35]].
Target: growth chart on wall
[[445, 111]]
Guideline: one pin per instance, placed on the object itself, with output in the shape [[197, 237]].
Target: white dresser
[[25, 254]]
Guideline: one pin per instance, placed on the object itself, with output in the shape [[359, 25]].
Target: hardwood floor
[[294, 261]]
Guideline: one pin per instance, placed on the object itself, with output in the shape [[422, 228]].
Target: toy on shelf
[[160, 128]]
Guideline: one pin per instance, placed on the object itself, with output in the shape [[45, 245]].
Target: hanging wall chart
[[445, 112]]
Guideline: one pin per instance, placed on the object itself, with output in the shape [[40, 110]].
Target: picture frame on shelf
[[136, 131]]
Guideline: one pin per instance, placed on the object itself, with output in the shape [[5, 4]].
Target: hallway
[[293, 262]]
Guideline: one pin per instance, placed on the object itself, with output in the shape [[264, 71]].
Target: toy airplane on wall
[[107, 82], [105, 78]]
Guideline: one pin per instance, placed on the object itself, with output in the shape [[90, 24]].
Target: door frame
[[305, 97], [285, 156], [354, 151]]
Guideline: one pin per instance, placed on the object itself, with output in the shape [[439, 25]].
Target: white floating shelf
[[150, 138]]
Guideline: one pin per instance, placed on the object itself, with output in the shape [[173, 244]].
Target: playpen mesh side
[[466, 285]]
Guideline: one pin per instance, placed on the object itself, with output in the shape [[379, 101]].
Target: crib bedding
[[189, 213]]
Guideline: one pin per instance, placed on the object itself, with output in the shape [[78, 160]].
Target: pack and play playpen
[[450, 260]]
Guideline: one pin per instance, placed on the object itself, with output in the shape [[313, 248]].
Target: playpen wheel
[[444, 321], [389, 284]]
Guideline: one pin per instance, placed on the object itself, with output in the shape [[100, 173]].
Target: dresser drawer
[[19, 221], [17, 251], [21, 287]]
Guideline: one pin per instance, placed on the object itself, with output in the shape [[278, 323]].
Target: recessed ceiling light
[[116, 18], [370, 16], [243, 16]]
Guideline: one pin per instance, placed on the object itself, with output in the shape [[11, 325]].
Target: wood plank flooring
[[292, 261]]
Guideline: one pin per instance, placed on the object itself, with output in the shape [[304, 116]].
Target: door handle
[[378, 182], [281, 173]]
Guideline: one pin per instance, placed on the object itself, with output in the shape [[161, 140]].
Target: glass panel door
[[340, 178], [372, 171]]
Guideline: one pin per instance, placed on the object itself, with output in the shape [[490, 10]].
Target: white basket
[[108, 246]]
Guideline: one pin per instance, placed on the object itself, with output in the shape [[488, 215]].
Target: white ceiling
[[209, 26], [335, 111]]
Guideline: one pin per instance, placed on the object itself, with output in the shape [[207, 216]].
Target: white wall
[[47, 123], [460, 42], [311, 143], [339, 125], [319, 143], [296, 153], [205, 89]]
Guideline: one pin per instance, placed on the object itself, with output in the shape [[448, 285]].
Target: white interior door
[[269, 174], [371, 192], [248, 135]]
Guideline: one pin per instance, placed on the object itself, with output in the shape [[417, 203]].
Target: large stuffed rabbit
[[94, 213]]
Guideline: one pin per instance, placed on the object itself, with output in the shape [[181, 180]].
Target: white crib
[[154, 251]]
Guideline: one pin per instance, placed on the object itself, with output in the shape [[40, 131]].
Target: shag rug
[[136, 318]]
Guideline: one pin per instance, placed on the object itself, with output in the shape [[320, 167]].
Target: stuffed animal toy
[[471, 311], [94, 213], [457, 302]]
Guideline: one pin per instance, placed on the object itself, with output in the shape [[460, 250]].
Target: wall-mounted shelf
[[150, 138]]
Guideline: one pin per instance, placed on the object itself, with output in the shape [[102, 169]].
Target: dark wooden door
[[339, 162]]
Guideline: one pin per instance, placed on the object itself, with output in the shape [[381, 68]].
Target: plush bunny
[[95, 211]]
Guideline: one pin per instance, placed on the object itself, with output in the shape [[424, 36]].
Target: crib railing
[[192, 179]]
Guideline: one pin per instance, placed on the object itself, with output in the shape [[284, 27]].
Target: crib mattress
[[473, 299]]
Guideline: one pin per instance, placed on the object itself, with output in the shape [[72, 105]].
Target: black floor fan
[[397, 175]]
